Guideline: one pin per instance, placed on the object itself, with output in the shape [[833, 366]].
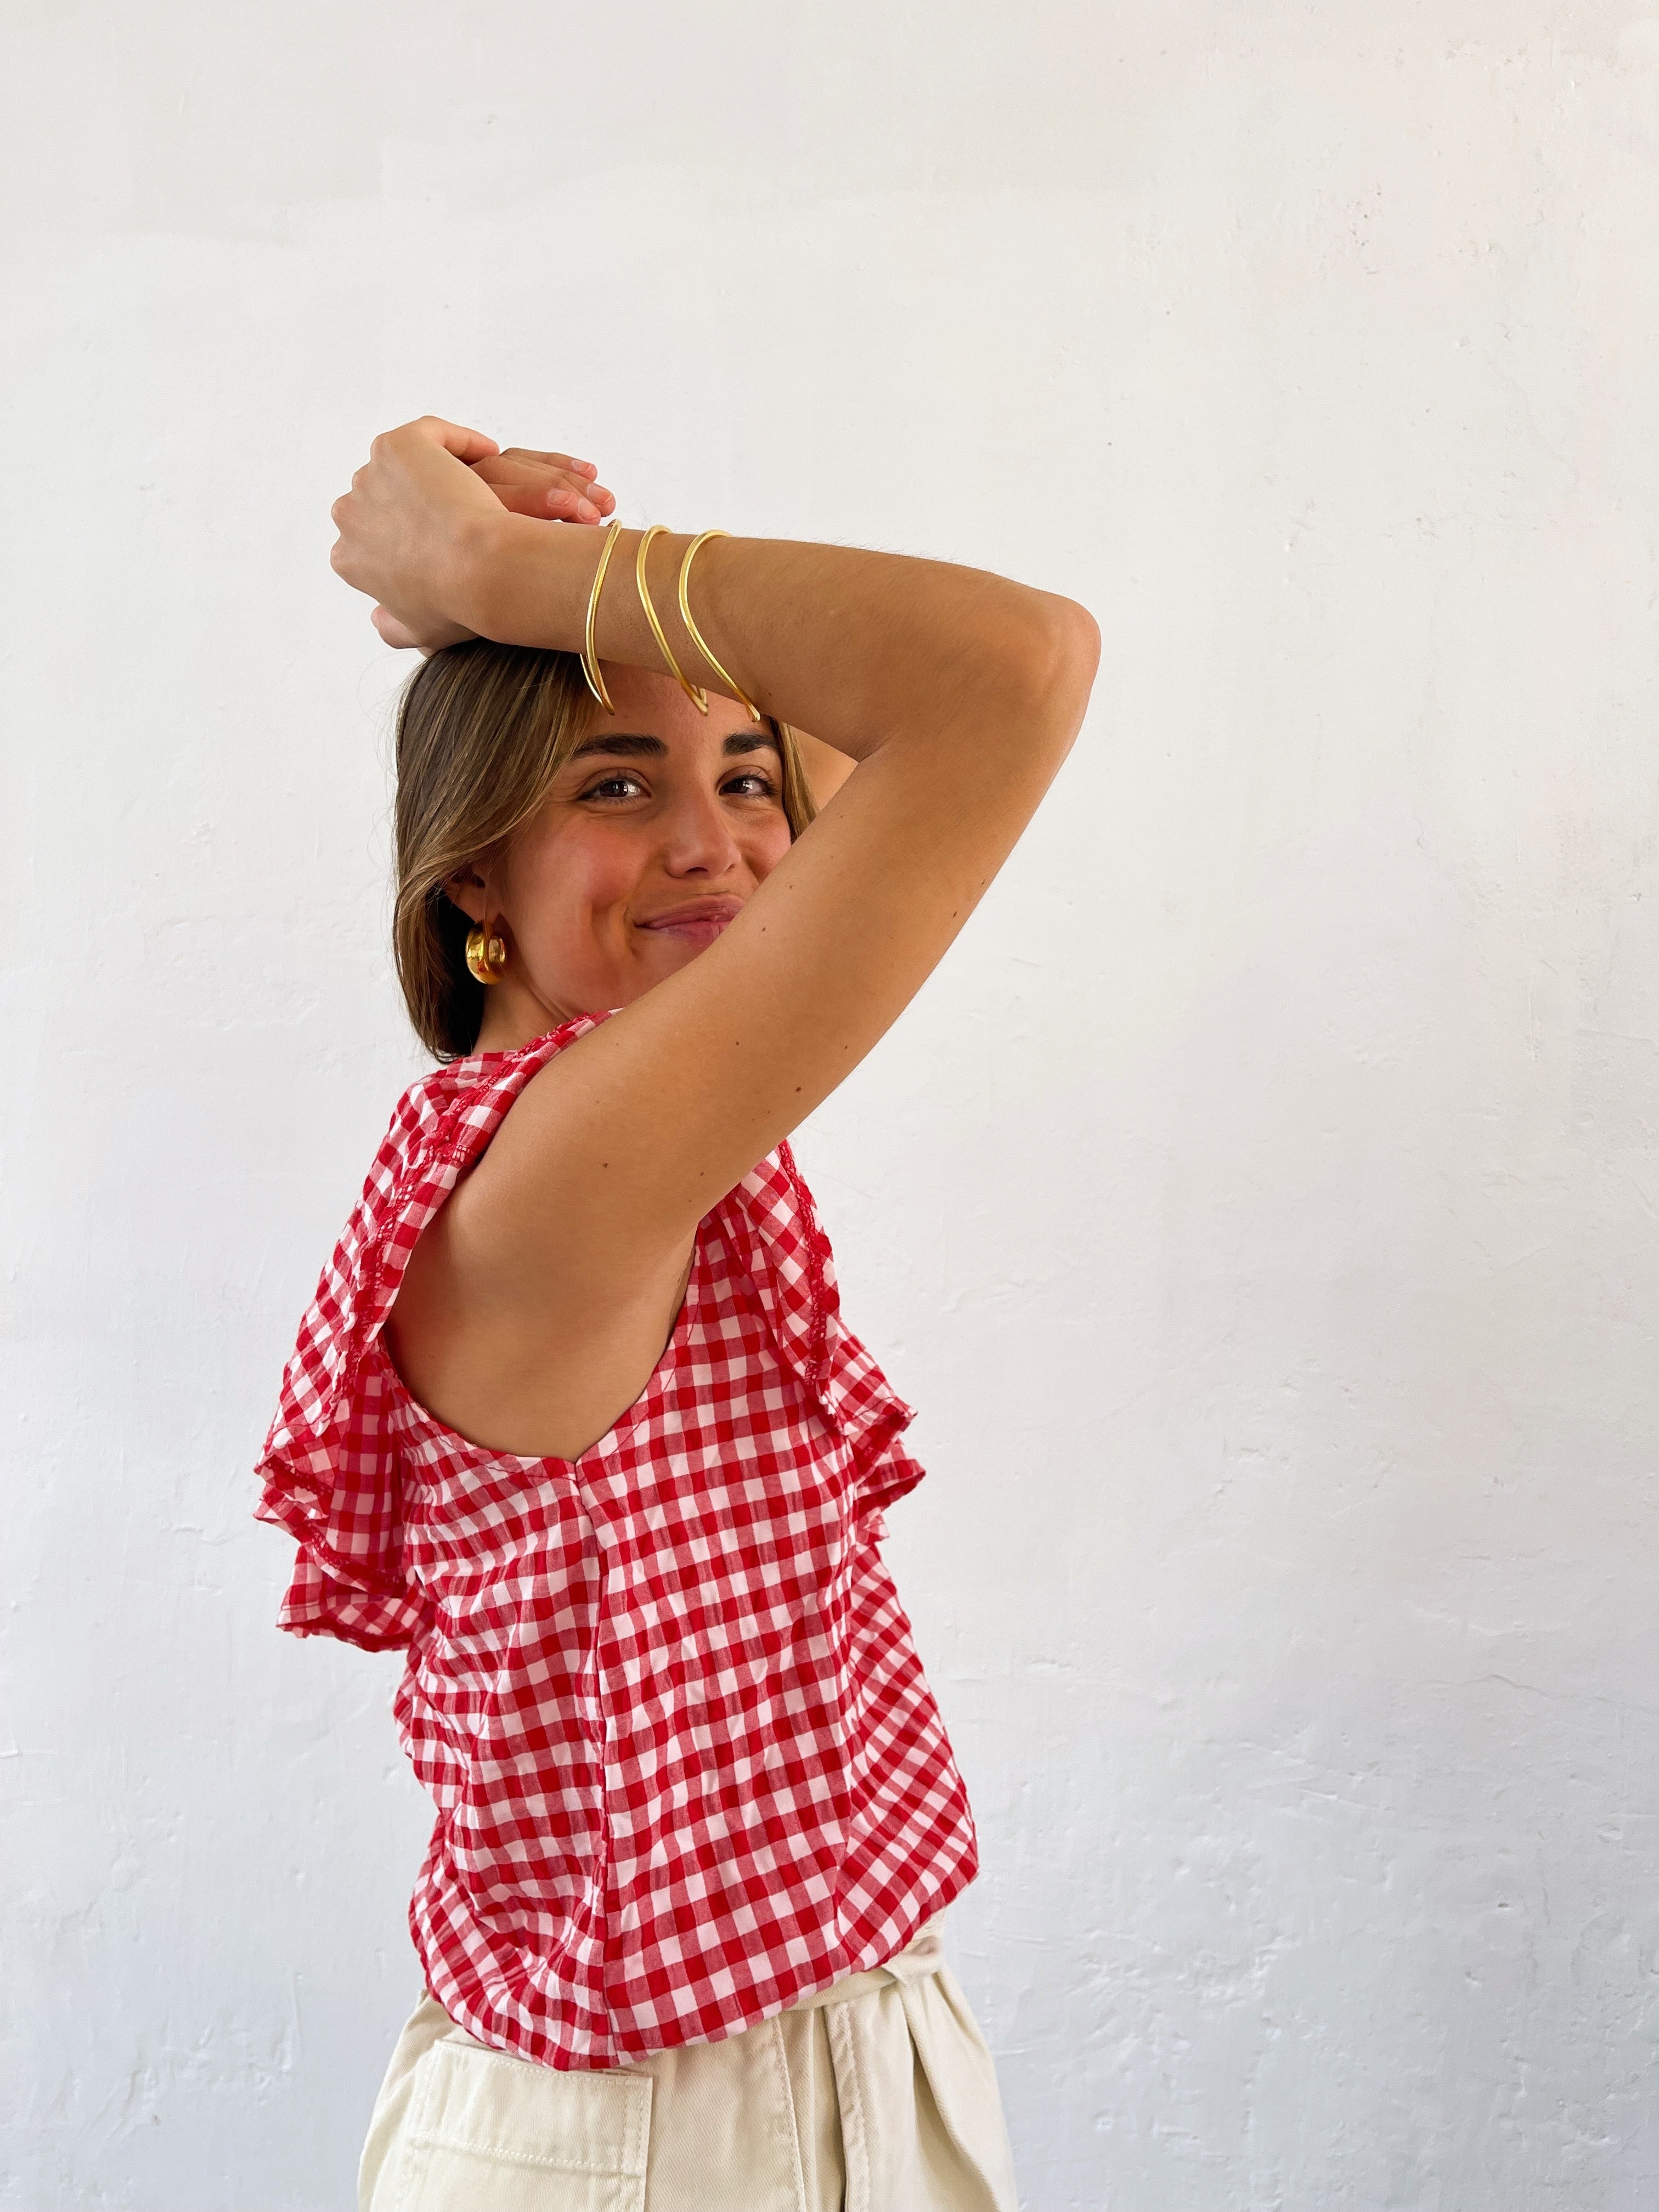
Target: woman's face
[[656, 833]]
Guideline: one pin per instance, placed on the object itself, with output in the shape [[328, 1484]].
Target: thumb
[[468, 446], [393, 632]]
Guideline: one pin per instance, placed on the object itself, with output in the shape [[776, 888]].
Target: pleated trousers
[[877, 2095]]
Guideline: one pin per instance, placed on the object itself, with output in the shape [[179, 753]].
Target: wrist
[[515, 574], [480, 555]]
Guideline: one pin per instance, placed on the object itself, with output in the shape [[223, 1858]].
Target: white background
[[1262, 1203]]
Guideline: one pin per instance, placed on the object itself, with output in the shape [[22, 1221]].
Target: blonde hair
[[483, 730]]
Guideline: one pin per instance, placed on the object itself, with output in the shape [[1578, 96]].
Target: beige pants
[[877, 2096]]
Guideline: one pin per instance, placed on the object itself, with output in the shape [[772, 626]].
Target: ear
[[468, 891]]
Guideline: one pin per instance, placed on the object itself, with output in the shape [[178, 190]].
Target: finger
[[551, 460], [393, 632], [467, 445], [430, 636], [559, 507], [516, 467], [527, 490], [577, 503], [546, 506], [535, 496]]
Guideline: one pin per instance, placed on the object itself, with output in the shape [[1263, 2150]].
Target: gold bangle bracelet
[[696, 635], [699, 699], [590, 659]]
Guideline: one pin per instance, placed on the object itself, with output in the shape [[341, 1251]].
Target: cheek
[[766, 848], [570, 882], [597, 869]]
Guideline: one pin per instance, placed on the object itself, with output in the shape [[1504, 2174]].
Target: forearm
[[860, 648]]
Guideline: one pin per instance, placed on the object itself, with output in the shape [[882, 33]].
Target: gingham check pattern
[[686, 1766]]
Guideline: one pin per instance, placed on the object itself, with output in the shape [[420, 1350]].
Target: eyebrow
[[620, 745]]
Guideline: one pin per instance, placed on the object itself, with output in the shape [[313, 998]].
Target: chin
[[641, 978], [673, 958]]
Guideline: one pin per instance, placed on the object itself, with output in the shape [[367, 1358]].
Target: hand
[[412, 519], [550, 486], [406, 526]]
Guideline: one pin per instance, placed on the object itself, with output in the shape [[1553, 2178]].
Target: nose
[[698, 840]]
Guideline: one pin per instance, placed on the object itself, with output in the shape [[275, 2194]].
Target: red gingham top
[[686, 1766]]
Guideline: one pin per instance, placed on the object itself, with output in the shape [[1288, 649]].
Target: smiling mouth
[[699, 921]]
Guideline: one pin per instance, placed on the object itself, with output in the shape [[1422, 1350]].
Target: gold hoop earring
[[486, 954]]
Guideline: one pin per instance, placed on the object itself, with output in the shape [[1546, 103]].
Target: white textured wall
[[1263, 1202]]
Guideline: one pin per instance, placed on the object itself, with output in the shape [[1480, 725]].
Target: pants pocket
[[962, 2076], [487, 2133]]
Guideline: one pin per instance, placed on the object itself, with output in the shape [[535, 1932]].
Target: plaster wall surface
[[1261, 1204]]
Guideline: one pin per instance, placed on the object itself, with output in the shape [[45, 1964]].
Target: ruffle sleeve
[[794, 1271], [331, 1469]]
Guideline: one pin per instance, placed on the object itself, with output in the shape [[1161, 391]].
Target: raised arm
[[958, 693]]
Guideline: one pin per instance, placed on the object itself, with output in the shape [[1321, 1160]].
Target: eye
[[759, 784], [617, 785]]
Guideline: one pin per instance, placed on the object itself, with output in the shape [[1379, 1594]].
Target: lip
[[701, 919]]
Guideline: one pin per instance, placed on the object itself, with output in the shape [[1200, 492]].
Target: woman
[[575, 1417]]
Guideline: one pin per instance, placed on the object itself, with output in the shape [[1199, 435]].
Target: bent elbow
[[1079, 645], [1023, 670], [1060, 664]]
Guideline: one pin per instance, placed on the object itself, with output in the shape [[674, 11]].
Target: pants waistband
[[922, 1955]]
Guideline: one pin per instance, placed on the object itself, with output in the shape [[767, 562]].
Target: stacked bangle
[[698, 697], [590, 659], [696, 635]]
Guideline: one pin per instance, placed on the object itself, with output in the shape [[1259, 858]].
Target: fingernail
[[587, 511], [588, 468]]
